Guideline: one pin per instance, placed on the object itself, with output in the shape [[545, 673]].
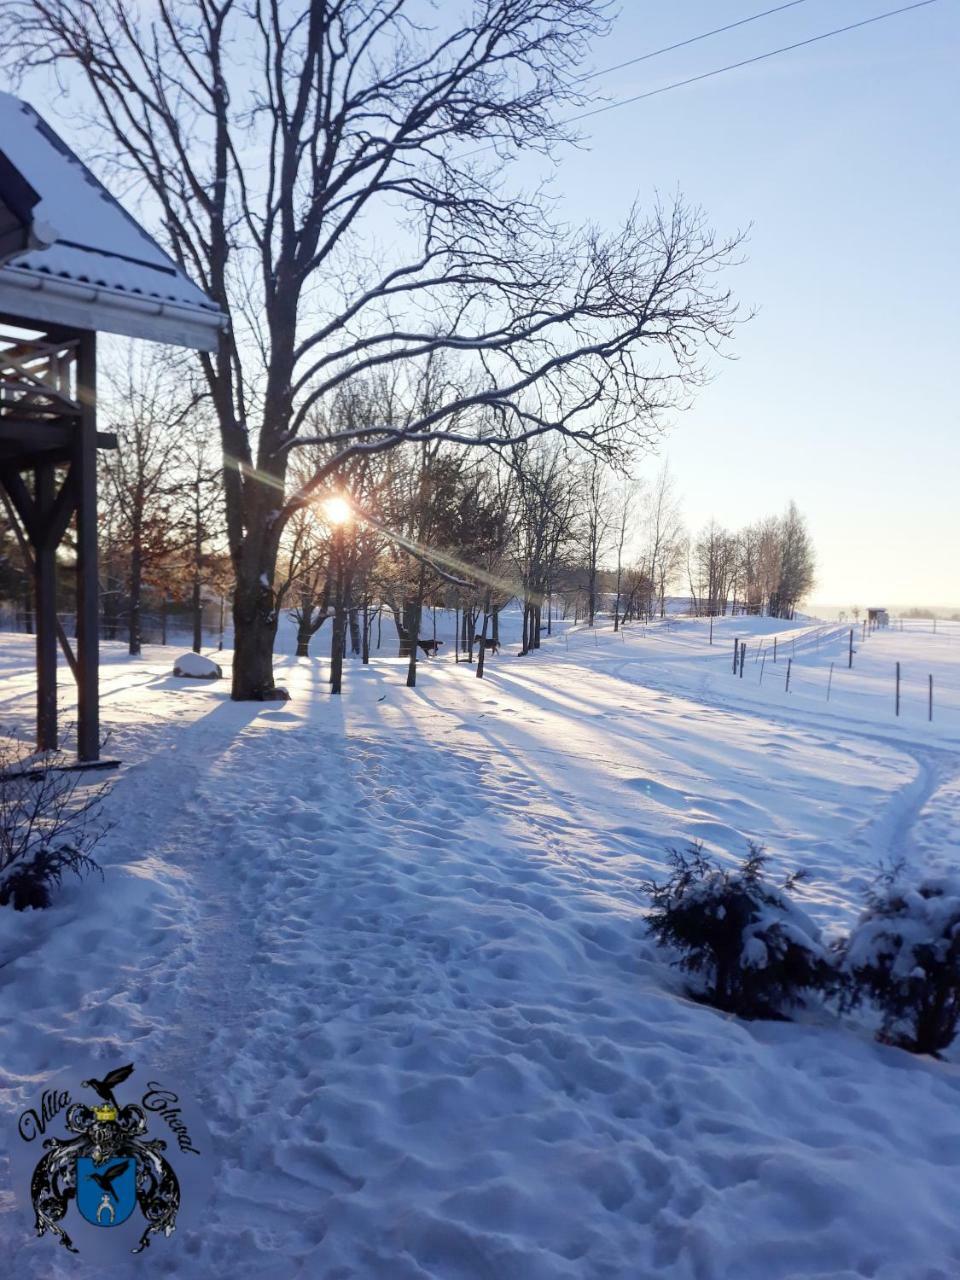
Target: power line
[[746, 62], [682, 44]]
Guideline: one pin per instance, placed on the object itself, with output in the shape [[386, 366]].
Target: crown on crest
[[105, 1113]]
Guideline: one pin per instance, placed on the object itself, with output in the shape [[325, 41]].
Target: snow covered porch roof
[[71, 255]]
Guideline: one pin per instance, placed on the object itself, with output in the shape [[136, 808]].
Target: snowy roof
[[87, 262]]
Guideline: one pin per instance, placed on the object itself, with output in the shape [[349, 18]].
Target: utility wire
[[746, 62], [682, 44]]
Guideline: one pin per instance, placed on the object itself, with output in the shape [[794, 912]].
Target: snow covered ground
[[395, 941]]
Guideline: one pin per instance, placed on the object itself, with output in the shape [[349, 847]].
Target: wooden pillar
[[88, 603], [45, 580]]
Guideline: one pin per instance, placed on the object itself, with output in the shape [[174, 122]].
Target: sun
[[337, 510]]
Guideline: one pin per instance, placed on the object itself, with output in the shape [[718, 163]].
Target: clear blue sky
[[844, 158]]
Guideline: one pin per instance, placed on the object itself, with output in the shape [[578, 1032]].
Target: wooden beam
[[45, 580], [88, 604], [35, 433], [28, 563], [24, 504], [56, 521]]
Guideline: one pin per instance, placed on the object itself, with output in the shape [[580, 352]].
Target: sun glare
[[337, 510]]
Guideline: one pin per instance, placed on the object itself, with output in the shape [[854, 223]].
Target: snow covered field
[[396, 943]]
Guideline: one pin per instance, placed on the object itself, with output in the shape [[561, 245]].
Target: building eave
[[28, 294]]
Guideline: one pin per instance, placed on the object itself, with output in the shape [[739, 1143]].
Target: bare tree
[[148, 410], [623, 520], [597, 522], [268, 171], [666, 538]]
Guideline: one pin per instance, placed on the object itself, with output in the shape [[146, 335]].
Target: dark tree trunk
[[354, 632], [365, 656], [483, 638], [408, 627], [304, 628], [415, 634], [254, 629], [337, 645], [133, 603], [196, 605], [495, 634]]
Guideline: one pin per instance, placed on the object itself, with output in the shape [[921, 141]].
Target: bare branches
[[276, 140]]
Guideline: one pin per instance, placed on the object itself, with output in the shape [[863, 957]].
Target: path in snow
[[398, 946]]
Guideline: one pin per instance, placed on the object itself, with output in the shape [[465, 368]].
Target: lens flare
[[337, 510]]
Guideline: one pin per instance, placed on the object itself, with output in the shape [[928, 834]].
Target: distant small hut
[[878, 618]]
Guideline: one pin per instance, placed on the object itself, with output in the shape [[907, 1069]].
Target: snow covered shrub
[[48, 825], [904, 954], [758, 951]]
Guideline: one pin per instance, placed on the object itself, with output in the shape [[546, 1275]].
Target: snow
[[197, 666], [396, 940]]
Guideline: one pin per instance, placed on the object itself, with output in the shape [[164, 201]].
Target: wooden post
[[930, 697], [88, 602], [850, 654], [736, 654], [711, 628], [762, 665], [45, 579], [786, 687], [897, 703], [774, 648], [829, 681], [743, 657]]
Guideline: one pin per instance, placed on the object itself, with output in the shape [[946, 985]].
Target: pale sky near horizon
[[843, 157]]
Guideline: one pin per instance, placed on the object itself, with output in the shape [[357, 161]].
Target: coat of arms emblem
[[110, 1168]]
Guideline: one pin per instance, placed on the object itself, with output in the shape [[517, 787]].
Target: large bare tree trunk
[[254, 629]]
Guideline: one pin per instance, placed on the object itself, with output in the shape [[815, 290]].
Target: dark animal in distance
[[106, 1179], [106, 1086], [491, 646], [429, 647]]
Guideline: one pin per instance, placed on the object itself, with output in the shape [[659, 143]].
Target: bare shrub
[[50, 821]]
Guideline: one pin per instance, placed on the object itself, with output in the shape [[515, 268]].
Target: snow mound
[[196, 667]]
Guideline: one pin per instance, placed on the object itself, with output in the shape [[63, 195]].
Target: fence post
[[736, 654], [850, 657], [929, 697], [762, 665], [743, 657], [711, 628], [829, 681], [786, 687], [774, 648], [898, 690]]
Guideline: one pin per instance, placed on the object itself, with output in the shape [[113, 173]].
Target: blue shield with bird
[[107, 1192]]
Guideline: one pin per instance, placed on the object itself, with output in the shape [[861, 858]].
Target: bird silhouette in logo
[[106, 1179], [106, 1086]]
